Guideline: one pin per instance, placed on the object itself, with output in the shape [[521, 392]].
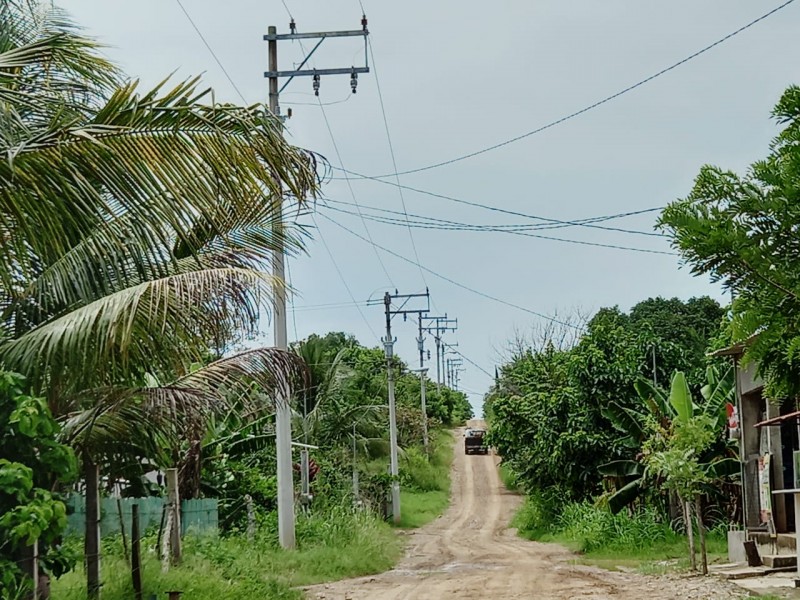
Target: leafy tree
[[32, 462], [542, 429], [549, 408], [742, 231]]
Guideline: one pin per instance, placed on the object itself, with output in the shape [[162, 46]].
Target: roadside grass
[[425, 484], [420, 508], [509, 478], [637, 541], [335, 544]]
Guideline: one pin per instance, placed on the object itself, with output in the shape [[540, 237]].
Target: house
[[767, 432]]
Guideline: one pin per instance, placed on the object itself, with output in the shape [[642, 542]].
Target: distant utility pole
[[283, 416], [422, 382], [388, 344], [450, 349], [438, 326]]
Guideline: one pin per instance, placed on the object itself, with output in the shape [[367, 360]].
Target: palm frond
[[162, 323], [252, 380], [164, 159]]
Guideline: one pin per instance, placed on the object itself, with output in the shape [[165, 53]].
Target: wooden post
[[30, 566], [175, 508], [701, 530], [166, 546], [161, 531], [91, 543], [251, 518], [122, 530], [136, 555], [797, 520], [687, 518]]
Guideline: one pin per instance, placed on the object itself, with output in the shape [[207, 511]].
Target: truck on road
[[475, 442]]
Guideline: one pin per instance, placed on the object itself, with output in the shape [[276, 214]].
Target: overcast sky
[[460, 75]]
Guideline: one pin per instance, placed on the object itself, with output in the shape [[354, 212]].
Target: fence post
[[122, 531], [91, 545], [136, 556], [251, 518], [175, 510], [166, 546], [30, 565]]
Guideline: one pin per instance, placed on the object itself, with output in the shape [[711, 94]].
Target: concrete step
[[784, 541], [777, 561]]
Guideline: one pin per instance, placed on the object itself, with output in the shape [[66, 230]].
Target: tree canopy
[[548, 408], [742, 230]]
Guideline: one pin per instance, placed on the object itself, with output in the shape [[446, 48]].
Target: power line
[[331, 305], [577, 223], [341, 163], [451, 281], [344, 281], [391, 152], [211, 51], [595, 104], [519, 226], [508, 231], [352, 192], [291, 16], [472, 362]]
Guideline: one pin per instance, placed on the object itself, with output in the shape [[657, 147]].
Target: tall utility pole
[[388, 344], [283, 415], [437, 326], [283, 412]]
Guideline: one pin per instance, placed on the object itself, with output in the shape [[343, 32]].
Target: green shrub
[[595, 528], [537, 515], [589, 527], [420, 474]]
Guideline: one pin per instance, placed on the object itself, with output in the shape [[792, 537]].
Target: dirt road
[[469, 553]]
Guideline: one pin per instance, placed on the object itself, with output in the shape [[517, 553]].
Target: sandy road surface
[[469, 553]]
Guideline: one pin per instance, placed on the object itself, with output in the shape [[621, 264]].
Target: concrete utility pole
[[283, 416], [422, 382], [388, 344]]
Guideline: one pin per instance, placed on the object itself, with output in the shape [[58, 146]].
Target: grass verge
[[425, 488], [335, 545], [640, 541]]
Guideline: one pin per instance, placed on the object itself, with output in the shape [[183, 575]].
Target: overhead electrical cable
[[322, 239], [424, 219], [352, 192], [472, 362], [594, 105], [211, 51], [391, 153], [344, 281], [509, 231], [577, 223], [447, 279]]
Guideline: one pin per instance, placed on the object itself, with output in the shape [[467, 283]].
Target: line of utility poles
[[438, 326], [283, 417]]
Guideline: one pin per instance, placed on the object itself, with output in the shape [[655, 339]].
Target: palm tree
[[133, 227]]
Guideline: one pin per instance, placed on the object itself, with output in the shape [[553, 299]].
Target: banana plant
[[664, 409]]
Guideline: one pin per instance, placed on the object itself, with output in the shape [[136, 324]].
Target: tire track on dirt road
[[469, 553]]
